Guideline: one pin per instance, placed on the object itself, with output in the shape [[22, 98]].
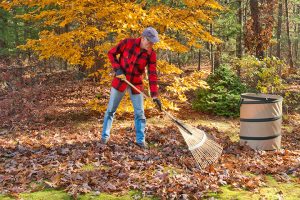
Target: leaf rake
[[203, 148]]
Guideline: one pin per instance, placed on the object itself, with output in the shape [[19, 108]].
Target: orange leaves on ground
[[55, 143]]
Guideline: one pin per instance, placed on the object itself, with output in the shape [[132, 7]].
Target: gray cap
[[151, 34]]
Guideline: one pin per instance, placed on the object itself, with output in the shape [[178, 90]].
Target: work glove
[[120, 74], [158, 103]]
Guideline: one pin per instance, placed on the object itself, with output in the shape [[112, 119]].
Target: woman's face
[[146, 44]]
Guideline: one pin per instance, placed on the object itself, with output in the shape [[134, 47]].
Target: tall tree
[[227, 28], [14, 31], [3, 24], [211, 51], [255, 13], [290, 57], [199, 59], [278, 34], [239, 48], [259, 27], [297, 31]]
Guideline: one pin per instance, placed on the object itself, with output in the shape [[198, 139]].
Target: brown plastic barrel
[[260, 121]]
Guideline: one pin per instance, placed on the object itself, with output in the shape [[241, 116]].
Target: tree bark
[[245, 11], [256, 28], [199, 60], [239, 48], [296, 49], [270, 51], [271, 25], [3, 40], [290, 58], [16, 34], [170, 57], [278, 34], [211, 54]]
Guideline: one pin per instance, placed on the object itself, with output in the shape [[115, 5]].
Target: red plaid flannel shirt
[[133, 61]]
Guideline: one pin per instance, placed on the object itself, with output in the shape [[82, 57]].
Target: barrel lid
[[262, 97]]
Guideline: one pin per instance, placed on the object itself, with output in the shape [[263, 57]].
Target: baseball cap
[[151, 34]]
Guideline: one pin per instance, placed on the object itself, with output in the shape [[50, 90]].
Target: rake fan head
[[205, 150]]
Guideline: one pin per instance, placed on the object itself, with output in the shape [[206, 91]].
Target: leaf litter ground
[[48, 136]]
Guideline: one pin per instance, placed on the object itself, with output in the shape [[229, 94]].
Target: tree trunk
[[270, 51], [64, 62], [298, 34], [211, 54], [290, 58], [178, 60], [27, 33], [271, 7], [3, 40], [199, 59], [245, 9], [239, 48], [16, 34], [259, 52], [278, 34]]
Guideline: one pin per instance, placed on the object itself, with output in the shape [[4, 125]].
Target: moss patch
[[52, 194], [289, 129], [2, 197], [131, 195], [46, 195], [88, 167], [273, 190]]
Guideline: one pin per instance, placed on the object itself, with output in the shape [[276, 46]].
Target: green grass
[[272, 191], [131, 195], [51, 194], [88, 167], [46, 195], [92, 167], [289, 129], [290, 190], [249, 174], [172, 170], [3, 197]]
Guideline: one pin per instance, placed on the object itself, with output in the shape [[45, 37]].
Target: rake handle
[[146, 96], [168, 114]]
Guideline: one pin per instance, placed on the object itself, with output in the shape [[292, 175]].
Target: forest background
[[55, 81]]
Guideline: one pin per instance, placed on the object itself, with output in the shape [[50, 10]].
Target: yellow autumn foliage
[[81, 31], [181, 85]]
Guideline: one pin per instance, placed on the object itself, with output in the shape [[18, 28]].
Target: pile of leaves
[[54, 99], [59, 159], [49, 148]]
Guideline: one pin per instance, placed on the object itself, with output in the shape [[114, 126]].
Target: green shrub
[[223, 97], [263, 75]]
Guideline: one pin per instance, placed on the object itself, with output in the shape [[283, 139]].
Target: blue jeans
[[139, 114]]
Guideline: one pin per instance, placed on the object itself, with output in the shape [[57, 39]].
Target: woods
[[55, 83]]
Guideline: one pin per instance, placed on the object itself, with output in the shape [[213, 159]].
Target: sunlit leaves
[[123, 18], [180, 85], [165, 68], [82, 31], [264, 75]]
